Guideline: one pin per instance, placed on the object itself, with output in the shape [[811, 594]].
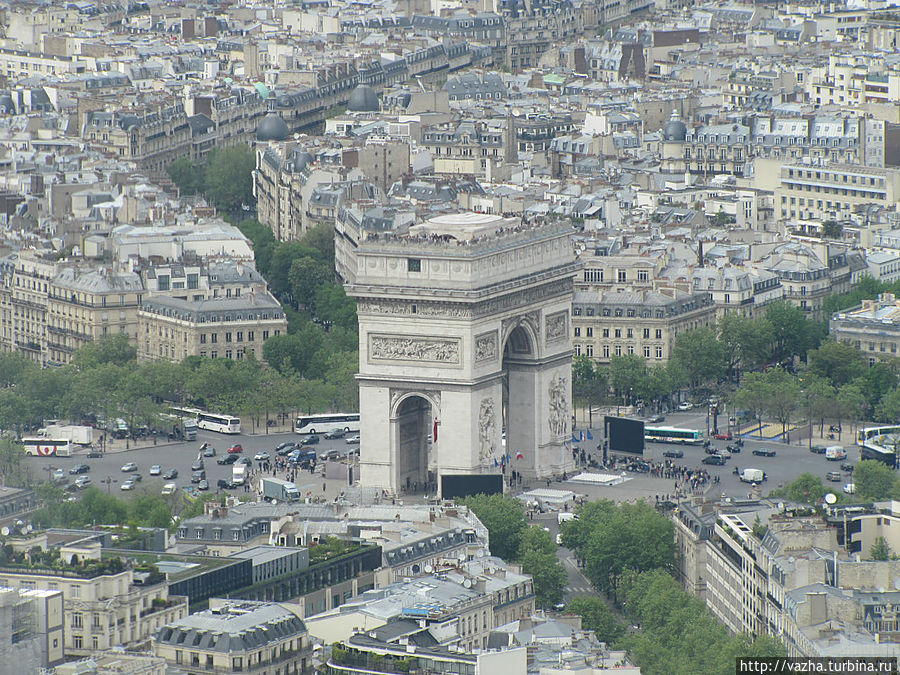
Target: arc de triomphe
[[464, 331]]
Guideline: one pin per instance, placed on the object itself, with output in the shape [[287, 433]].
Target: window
[[214, 337], [227, 337], [659, 333], [577, 331], [163, 282], [590, 332], [265, 335], [240, 336], [413, 265], [621, 275], [251, 336], [193, 281], [606, 332], [618, 332], [630, 333], [659, 352], [77, 620], [618, 350], [646, 352], [77, 642], [202, 338], [643, 275]]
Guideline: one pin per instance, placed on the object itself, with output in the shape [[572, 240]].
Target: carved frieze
[[423, 349], [486, 347], [555, 326]]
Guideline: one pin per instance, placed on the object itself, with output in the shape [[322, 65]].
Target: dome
[[364, 99], [675, 129], [272, 128]]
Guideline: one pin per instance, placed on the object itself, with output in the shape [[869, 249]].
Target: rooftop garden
[[50, 562]]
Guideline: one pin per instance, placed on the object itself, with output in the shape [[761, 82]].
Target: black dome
[[364, 99], [675, 130], [272, 128]]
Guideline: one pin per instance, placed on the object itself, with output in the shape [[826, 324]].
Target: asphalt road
[[180, 456]]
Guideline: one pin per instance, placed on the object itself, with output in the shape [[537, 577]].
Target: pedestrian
[[323, 486]]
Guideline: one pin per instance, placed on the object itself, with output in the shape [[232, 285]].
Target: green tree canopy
[[597, 616], [795, 334], [228, 180], [701, 355], [837, 362], [875, 481], [537, 554], [805, 489], [504, 517]]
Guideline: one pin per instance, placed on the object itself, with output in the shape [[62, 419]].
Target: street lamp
[[109, 480]]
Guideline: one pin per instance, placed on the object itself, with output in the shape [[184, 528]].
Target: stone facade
[[464, 328]]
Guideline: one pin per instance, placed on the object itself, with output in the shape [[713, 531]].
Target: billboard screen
[[624, 435], [464, 485]]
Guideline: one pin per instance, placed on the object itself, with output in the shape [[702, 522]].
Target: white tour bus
[[224, 424], [46, 447], [321, 424]]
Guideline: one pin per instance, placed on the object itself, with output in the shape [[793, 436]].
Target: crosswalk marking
[[578, 589]]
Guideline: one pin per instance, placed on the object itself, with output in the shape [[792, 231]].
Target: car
[[155, 470], [850, 488], [638, 467], [227, 459], [312, 439], [203, 485], [197, 476], [656, 419], [222, 484], [197, 464], [209, 451], [79, 468], [82, 482], [687, 405], [244, 460], [334, 433], [127, 485], [170, 474], [130, 466], [764, 452], [284, 449], [352, 440], [674, 453], [94, 453], [235, 449], [261, 456], [723, 437], [833, 476], [331, 455], [733, 448], [817, 449], [716, 460], [169, 489], [847, 466], [136, 477]]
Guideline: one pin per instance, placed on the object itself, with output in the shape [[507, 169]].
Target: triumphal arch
[[465, 350]]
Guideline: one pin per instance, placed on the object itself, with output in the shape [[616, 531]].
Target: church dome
[[272, 128], [675, 129], [364, 99]]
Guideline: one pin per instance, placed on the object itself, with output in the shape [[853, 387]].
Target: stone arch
[[530, 324], [413, 414]]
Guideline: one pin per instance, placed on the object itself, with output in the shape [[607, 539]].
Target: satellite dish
[[429, 569], [5, 533], [830, 498], [467, 583]]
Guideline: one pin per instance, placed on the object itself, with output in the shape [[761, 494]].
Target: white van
[[169, 489], [752, 476], [563, 516], [835, 453]]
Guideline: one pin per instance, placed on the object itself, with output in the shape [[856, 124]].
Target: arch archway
[[412, 427], [519, 370]]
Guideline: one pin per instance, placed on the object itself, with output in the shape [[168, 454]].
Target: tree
[[874, 481], [110, 349], [837, 362], [753, 395], [819, 400], [228, 182], [701, 355], [187, 176], [888, 408], [589, 384], [306, 276], [805, 489], [321, 238], [831, 229], [627, 374], [613, 538], [597, 616], [795, 334], [537, 553], [747, 342], [877, 380], [880, 550], [504, 518], [783, 396], [851, 402]]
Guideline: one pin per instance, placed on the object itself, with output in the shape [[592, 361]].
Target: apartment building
[[31, 629], [26, 278], [873, 327], [83, 305], [826, 191], [471, 147], [223, 327], [642, 322], [103, 608], [808, 274], [237, 636]]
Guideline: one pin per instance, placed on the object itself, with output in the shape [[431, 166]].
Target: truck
[[239, 474], [280, 490], [79, 435], [752, 475], [302, 457], [189, 427], [835, 453]]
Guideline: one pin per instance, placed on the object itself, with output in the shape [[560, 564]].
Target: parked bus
[[47, 447], [224, 424], [320, 424], [879, 443], [673, 435]]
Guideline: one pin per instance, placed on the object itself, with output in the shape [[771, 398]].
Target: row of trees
[[873, 481], [514, 540], [225, 178], [628, 552], [704, 359]]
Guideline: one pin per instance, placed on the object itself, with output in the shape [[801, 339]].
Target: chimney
[[700, 253]]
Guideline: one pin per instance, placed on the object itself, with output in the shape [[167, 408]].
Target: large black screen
[[464, 485], [624, 435]]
